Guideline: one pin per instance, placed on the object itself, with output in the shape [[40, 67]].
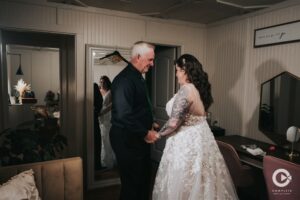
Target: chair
[[282, 178], [241, 174], [60, 179]]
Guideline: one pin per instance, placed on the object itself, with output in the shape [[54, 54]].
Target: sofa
[[55, 180]]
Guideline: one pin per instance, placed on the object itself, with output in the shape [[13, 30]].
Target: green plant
[[33, 141]]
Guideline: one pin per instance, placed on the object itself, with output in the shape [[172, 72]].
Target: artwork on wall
[[278, 34]]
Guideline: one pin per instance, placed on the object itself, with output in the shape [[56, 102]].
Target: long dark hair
[[196, 75], [106, 83]]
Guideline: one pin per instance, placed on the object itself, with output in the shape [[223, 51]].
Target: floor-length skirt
[[107, 155], [192, 167]]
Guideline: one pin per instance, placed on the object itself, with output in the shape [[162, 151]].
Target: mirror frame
[[91, 182]]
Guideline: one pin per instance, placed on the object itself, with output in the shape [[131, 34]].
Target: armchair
[[242, 175], [60, 179], [282, 178]]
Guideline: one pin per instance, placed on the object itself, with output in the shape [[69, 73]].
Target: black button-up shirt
[[130, 103]]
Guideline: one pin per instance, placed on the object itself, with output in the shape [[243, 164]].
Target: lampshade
[[292, 134], [19, 71]]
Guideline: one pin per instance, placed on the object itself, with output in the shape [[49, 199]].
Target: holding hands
[[152, 136]]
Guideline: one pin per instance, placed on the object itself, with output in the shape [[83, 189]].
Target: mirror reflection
[[106, 65], [107, 156], [33, 84], [279, 106]]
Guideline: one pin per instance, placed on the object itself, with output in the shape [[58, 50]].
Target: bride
[[107, 155], [192, 167]]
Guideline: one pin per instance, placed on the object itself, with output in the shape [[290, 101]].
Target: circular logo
[[281, 177]]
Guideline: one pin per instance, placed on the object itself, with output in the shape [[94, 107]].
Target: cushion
[[21, 186]]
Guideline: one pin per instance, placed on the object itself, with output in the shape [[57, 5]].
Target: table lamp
[[292, 135]]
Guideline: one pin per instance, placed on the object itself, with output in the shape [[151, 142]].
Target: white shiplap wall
[[40, 68], [226, 50], [99, 27], [225, 60], [237, 69]]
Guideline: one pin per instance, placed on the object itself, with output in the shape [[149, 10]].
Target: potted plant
[[32, 141]]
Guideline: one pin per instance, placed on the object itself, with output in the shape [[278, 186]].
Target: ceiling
[[198, 11]]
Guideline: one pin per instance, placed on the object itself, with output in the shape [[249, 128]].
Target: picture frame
[[278, 34]]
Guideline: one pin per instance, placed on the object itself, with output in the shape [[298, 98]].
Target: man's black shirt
[[130, 106]]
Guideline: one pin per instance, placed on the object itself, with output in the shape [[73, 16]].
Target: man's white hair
[[141, 48]]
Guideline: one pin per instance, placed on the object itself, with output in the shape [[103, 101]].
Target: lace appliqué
[[179, 112], [192, 167], [191, 120]]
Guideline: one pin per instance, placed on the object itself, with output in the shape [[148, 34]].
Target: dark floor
[[112, 192], [107, 174], [105, 193]]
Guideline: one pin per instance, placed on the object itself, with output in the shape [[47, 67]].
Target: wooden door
[[163, 88]]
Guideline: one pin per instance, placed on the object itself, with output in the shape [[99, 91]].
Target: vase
[[20, 99]]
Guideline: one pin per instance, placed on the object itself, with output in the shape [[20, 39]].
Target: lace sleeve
[[180, 109]]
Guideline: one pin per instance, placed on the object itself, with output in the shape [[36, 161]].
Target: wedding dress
[[192, 167], [107, 155]]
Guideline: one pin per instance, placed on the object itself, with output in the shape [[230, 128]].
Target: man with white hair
[[132, 124]]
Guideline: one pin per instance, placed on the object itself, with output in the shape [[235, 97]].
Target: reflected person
[[107, 155], [98, 100]]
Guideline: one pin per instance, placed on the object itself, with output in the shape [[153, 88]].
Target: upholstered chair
[[60, 179], [242, 175], [282, 178]]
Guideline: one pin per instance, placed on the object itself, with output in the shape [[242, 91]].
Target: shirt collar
[[137, 72]]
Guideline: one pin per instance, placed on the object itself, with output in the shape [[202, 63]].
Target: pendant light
[[19, 71]]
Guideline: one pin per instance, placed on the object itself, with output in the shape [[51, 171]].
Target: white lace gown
[[107, 155], [192, 167]]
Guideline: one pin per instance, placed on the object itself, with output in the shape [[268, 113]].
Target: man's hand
[[152, 136]]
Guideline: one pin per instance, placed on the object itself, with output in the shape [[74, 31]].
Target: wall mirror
[[46, 61], [102, 166], [33, 82], [279, 107]]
